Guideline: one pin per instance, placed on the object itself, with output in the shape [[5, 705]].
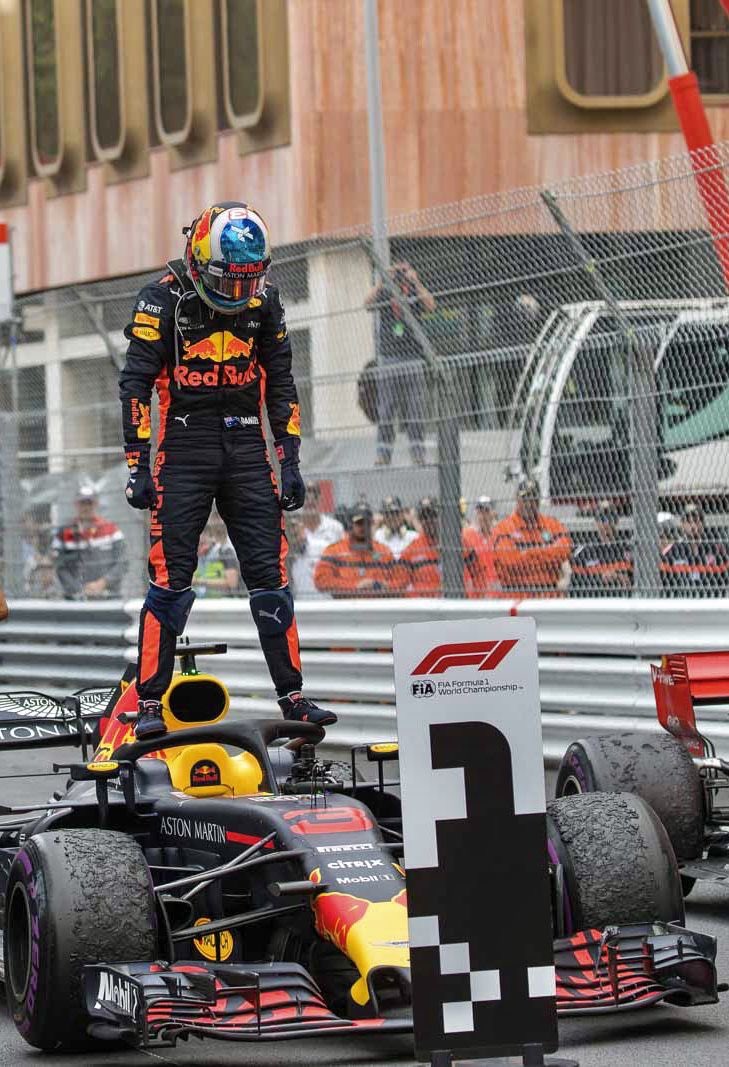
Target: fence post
[[643, 408]]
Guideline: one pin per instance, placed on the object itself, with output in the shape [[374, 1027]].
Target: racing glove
[[140, 491], [293, 490]]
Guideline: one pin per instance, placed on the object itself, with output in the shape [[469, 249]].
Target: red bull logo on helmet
[[219, 347]]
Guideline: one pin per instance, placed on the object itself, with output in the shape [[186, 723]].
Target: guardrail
[[58, 646], [594, 658], [594, 655]]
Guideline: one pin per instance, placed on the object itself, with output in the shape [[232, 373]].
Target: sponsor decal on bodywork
[[204, 773], [117, 992], [207, 945], [193, 829]]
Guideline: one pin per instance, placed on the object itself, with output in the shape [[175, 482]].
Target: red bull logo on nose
[[219, 347]]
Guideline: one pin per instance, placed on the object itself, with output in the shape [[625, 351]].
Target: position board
[[472, 775]]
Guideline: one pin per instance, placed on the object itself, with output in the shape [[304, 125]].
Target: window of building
[[104, 73], [46, 141], [241, 68], [606, 49], [710, 46], [173, 105]]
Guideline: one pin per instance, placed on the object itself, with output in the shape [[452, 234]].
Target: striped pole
[[705, 159]]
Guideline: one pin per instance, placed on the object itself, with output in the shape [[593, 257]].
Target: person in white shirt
[[311, 532], [394, 532]]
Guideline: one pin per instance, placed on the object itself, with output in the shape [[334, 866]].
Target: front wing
[[621, 968]]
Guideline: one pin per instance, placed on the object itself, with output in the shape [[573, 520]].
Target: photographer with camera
[[401, 389]]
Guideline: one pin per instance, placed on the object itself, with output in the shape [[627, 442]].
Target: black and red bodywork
[[283, 912]]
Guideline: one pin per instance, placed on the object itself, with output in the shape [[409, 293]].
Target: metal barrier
[[593, 664], [59, 646]]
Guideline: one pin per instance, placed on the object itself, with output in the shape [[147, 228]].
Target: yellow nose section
[[371, 933]]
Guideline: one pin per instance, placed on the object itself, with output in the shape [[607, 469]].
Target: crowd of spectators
[[395, 550]]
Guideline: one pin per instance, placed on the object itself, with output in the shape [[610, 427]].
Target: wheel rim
[[19, 941], [571, 787]]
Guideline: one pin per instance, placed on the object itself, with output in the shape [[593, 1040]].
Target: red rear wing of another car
[[684, 681]]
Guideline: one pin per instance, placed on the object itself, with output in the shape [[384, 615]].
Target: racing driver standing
[[211, 337]]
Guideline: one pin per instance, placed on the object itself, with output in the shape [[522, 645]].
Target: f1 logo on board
[[484, 655]]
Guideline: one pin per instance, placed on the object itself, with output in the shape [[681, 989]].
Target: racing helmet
[[227, 255]]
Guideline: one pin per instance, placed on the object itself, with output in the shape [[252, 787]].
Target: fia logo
[[422, 689]]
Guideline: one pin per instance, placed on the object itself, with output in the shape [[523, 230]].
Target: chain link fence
[[576, 336]]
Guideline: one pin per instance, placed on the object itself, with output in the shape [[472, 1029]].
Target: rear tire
[[618, 860], [656, 768], [74, 897]]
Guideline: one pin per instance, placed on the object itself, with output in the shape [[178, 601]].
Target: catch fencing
[[576, 334], [594, 657]]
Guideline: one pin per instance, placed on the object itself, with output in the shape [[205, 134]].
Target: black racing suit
[[213, 373]]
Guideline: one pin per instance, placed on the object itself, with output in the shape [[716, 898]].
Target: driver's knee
[[272, 610], [170, 606]]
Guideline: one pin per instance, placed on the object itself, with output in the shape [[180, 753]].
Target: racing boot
[[150, 722], [296, 708]]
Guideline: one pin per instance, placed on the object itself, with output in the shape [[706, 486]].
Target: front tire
[[74, 897], [618, 862]]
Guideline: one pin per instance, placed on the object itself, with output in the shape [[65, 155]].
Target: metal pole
[[643, 417], [378, 170], [707, 164], [669, 39]]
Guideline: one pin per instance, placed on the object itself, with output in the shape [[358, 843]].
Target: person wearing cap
[[422, 558], [312, 531], [603, 565], [357, 565], [90, 554], [531, 550], [394, 531], [477, 538], [695, 564]]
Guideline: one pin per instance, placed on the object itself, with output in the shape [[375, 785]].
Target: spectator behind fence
[[90, 553], [394, 531], [477, 538], [401, 387], [531, 550], [695, 564], [217, 573], [422, 558], [603, 565], [312, 531], [4, 612], [358, 565]]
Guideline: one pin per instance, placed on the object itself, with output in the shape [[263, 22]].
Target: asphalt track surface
[[655, 1037]]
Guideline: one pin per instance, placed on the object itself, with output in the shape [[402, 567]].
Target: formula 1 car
[[677, 772], [224, 881]]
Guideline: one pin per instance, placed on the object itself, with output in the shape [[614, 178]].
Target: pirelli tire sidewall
[[619, 865], [74, 897]]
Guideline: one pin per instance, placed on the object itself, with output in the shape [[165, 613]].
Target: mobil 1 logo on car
[[474, 824]]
